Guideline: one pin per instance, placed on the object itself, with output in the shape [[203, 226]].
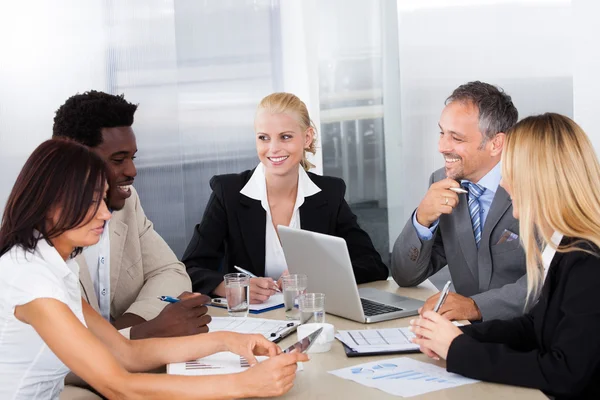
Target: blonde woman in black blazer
[[552, 173], [238, 226]]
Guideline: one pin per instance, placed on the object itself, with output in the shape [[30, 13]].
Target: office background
[[374, 74]]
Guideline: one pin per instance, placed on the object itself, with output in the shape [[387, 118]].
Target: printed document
[[402, 376]]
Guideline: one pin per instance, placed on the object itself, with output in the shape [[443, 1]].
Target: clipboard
[[352, 353], [273, 330]]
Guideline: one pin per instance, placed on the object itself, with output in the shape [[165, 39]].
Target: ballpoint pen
[[251, 275], [458, 190], [168, 299], [442, 298]]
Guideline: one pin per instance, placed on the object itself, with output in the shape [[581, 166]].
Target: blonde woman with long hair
[[552, 174], [239, 223]]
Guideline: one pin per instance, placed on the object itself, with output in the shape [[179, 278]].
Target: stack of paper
[[402, 376], [378, 340]]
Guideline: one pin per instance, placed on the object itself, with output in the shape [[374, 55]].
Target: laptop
[[325, 260]]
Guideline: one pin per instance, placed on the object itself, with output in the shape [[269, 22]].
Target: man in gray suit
[[474, 233]]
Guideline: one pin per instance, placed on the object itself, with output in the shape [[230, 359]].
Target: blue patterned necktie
[[475, 191]]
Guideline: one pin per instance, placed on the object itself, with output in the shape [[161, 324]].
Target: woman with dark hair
[[56, 208]]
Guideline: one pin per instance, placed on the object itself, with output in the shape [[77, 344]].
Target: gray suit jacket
[[142, 266], [493, 275]]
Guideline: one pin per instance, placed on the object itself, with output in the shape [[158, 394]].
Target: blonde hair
[[553, 171], [282, 102]]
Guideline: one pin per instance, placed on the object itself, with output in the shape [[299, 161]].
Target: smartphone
[[303, 345]]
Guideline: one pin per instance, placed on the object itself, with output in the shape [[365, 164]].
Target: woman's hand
[[248, 346], [272, 377], [280, 280], [261, 289], [434, 334]]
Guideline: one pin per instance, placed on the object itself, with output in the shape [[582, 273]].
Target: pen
[[443, 296], [242, 270], [458, 190], [168, 299]]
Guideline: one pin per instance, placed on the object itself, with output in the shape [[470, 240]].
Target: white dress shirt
[[28, 368], [256, 188], [97, 258]]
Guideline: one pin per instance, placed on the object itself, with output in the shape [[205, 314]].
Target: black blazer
[[232, 231], [555, 347]]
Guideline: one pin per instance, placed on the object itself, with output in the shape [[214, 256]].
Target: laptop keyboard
[[372, 308]]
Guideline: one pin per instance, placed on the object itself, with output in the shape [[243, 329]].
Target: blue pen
[[168, 299]]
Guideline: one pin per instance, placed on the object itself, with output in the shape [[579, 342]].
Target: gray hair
[[497, 113]]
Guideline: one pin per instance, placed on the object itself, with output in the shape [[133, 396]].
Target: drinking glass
[[312, 308], [237, 292], [293, 286]]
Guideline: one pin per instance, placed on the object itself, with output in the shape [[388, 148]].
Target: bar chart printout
[[402, 376]]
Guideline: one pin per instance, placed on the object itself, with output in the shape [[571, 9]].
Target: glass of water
[[237, 292], [312, 308], [293, 286]]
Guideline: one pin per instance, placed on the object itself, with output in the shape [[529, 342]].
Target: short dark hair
[[83, 116], [497, 113], [59, 174]]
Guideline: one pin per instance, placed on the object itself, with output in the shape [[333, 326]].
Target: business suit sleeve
[[516, 333], [366, 261], [566, 366], [504, 302], [163, 273], [413, 259], [206, 250]]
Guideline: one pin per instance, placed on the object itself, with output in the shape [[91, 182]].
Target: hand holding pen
[[452, 306], [261, 289]]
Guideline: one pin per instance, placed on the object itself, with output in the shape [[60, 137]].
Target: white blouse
[[549, 252], [256, 188], [28, 368]]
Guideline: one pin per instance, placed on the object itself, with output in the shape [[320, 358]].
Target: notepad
[[272, 329], [274, 302]]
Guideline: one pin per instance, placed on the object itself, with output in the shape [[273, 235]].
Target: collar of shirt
[[256, 187], [550, 251], [491, 180], [53, 258]]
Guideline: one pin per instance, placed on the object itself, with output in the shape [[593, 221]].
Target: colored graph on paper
[[402, 376]]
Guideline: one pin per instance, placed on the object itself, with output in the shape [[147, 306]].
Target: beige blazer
[[142, 266]]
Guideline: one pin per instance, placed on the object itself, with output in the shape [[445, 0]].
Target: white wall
[[586, 68], [47, 55]]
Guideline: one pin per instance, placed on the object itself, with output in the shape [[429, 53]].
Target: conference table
[[314, 382]]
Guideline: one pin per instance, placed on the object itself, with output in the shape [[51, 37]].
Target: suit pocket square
[[507, 236]]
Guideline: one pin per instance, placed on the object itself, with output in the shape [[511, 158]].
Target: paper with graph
[[402, 376], [216, 364]]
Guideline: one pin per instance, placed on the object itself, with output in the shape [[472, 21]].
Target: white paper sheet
[[402, 376], [216, 364]]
